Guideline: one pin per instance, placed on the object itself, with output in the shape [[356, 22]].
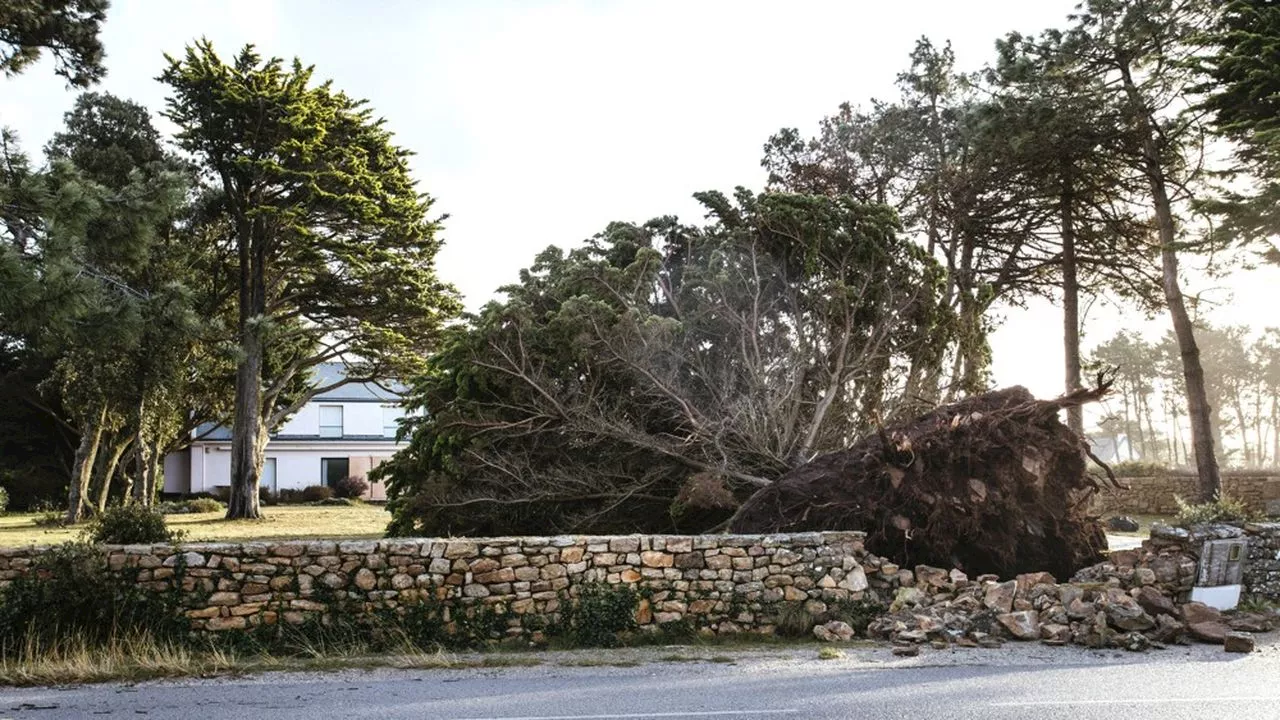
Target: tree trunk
[[1260, 447], [109, 472], [1198, 408], [1152, 438], [1275, 430], [248, 430], [151, 476], [1137, 421], [1244, 430], [82, 471], [1070, 306], [1128, 425]]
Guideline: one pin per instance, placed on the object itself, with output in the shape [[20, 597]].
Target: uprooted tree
[[994, 483], [653, 379]]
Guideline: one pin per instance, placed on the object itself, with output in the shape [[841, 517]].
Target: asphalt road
[[1027, 682]]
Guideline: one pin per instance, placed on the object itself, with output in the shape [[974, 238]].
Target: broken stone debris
[[1102, 607]]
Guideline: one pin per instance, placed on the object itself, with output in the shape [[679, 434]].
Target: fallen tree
[[994, 483]]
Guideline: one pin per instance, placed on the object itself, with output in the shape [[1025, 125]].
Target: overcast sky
[[537, 123]]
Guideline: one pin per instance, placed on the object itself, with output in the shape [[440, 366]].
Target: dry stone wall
[[1156, 495], [722, 583], [1262, 568]]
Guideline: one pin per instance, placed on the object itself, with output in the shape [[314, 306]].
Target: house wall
[[305, 422], [358, 418], [177, 472], [296, 468]]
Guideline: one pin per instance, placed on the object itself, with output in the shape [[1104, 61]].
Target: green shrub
[[599, 614], [350, 487], [205, 505], [50, 518], [1223, 510], [130, 525], [793, 620], [1137, 468], [316, 493], [70, 593], [4, 500], [194, 505]]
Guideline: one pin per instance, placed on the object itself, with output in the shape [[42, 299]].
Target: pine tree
[[334, 247]]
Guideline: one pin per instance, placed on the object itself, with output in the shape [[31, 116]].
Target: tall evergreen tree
[[1065, 146], [334, 246], [1141, 53], [1243, 95], [66, 29]]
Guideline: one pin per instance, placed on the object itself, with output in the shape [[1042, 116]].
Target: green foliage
[[1137, 468], [133, 524], [69, 592], [1243, 95], [335, 248], [315, 493], [4, 500], [599, 613], [643, 381], [205, 505], [50, 518], [66, 29], [350, 487], [1223, 510], [792, 620], [194, 505]]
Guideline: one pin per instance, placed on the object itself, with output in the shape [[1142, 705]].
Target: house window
[[390, 420], [334, 469], [268, 480], [330, 421]]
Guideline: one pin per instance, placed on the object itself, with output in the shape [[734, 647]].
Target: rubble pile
[[1109, 605]]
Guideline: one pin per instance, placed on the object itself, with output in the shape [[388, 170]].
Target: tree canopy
[[331, 246], [66, 29], [649, 378]]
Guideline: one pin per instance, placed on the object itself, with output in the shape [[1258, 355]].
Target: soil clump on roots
[[995, 483]]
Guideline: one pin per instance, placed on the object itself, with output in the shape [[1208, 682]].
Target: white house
[[342, 432]]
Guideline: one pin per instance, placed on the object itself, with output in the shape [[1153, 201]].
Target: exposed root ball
[[992, 484]]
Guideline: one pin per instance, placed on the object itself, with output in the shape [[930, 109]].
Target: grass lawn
[[281, 522]]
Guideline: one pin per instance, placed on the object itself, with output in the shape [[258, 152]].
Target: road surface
[[1021, 681]]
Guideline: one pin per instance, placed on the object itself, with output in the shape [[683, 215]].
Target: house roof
[[329, 373]]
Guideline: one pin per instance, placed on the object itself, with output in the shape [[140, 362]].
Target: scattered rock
[[1208, 632], [1135, 642], [1054, 633], [1023, 625], [1155, 602], [1251, 622], [931, 577], [834, 631], [1167, 630], [1195, 613], [1238, 642], [1123, 523], [1125, 614], [908, 597], [907, 650], [999, 596]]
